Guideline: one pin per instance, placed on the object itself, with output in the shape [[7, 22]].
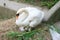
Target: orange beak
[[16, 17]]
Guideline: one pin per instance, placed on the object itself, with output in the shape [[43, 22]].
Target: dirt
[[9, 25]]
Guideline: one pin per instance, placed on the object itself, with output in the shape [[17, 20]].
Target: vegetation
[[26, 35], [55, 17], [37, 34], [47, 3]]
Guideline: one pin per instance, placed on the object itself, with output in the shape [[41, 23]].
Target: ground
[[8, 24]]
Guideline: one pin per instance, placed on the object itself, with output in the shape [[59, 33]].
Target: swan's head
[[20, 16], [18, 13]]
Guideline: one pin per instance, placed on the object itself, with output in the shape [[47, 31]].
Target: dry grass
[[7, 21], [6, 13], [8, 24]]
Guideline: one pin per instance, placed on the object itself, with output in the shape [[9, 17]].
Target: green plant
[[47, 3], [25, 35]]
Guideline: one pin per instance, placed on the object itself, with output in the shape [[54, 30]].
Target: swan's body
[[55, 35], [29, 16]]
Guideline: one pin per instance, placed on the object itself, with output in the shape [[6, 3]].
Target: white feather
[[32, 18], [55, 35]]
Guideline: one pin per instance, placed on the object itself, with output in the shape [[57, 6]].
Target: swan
[[55, 35], [28, 16]]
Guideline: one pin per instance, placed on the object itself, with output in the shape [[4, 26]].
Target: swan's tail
[[55, 35]]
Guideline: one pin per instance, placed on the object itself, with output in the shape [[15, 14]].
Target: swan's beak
[[17, 17]]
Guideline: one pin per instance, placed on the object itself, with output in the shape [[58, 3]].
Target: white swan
[[55, 35], [29, 16]]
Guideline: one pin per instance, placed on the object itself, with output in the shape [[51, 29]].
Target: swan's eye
[[17, 16]]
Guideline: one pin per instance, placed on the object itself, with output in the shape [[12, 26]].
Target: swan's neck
[[23, 16]]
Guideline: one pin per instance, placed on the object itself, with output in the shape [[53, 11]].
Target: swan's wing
[[34, 22], [37, 19]]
